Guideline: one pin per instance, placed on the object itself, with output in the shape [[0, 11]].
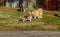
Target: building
[[52, 5], [48, 4], [9, 3], [13, 3], [45, 4]]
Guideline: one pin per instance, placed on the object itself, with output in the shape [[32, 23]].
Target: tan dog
[[24, 18], [37, 13]]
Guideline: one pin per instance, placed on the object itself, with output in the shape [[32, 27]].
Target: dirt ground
[[9, 10]]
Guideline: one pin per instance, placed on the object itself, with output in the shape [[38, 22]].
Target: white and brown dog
[[24, 18]]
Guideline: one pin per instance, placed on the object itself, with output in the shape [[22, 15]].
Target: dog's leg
[[35, 17], [40, 16], [23, 20], [30, 20]]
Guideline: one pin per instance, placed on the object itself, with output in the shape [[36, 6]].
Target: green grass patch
[[10, 21], [52, 12]]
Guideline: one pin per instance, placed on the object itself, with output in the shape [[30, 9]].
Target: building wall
[[51, 5], [12, 3], [9, 3]]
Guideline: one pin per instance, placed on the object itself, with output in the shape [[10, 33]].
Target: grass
[[10, 21], [51, 12]]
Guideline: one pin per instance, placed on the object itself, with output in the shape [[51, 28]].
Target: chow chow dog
[[37, 13]]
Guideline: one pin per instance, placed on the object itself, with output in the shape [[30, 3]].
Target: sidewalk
[[29, 34]]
